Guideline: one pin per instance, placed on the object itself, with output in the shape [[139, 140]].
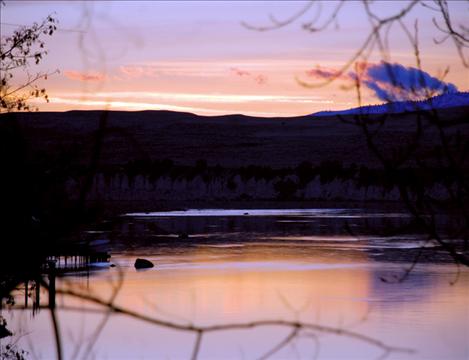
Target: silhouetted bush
[[286, 189]]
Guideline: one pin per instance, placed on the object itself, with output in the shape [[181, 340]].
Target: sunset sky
[[198, 57]]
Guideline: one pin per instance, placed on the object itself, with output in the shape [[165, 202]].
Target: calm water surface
[[321, 266]]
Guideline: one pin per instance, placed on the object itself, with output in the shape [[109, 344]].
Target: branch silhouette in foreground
[[297, 327]]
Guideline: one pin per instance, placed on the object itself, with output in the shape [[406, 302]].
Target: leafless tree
[[17, 53]]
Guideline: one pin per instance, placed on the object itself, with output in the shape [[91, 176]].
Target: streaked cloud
[[327, 73], [204, 98], [84, 76], [131, 71], [173, 69], [124, 105], [141, 106], [202, 104], [260, 79], [240, 72]]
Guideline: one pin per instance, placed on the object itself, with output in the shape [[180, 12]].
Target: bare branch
[[277, 24], [230, 326], [281, 344]]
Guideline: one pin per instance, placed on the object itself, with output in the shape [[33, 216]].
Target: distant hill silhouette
[[230, 141], [444, 101]]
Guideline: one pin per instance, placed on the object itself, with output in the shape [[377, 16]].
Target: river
[[331, 268]]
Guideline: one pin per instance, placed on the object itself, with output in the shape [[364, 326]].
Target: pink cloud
[[131, 71], [239, 72], [135, 71], [326, 73], [260, 79], [80, 76]]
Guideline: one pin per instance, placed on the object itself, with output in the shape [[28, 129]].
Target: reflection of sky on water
[[231, 223], [243, 268], [419, 285], [239, 212], [313, 213]]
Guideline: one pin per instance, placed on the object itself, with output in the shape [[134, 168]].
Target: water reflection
[[239, 269]]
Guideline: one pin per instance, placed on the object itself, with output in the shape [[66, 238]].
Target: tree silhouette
[[17, 53]]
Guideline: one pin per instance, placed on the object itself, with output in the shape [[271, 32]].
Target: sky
[[198, 56]]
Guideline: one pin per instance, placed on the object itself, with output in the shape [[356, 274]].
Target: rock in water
[[143, 264]]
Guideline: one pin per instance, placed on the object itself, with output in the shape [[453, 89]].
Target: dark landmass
[[229, 141], [149, 158]]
